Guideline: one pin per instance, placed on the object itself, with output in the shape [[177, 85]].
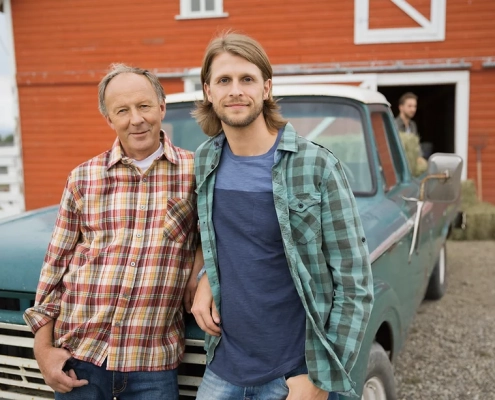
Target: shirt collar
[[117, 154], [288, 141]]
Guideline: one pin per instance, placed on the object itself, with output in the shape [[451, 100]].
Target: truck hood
[[24, 239]]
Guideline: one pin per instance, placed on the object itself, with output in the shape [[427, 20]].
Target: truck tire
[[438, 279], [380, 381]]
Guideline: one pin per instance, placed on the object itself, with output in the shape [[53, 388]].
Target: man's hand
[[204, 309], [190, 292], [51, 360], [301, 388]]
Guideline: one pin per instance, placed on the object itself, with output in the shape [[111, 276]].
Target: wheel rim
[[374, 389], [441, 266]]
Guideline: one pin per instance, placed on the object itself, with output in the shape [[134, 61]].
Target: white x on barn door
[[428, 30]]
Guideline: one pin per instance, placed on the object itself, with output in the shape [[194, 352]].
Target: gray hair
[[117, 69]]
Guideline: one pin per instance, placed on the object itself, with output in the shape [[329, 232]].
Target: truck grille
[[21, 379]]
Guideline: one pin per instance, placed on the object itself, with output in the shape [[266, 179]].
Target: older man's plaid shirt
[[325, 248], [118, 261]]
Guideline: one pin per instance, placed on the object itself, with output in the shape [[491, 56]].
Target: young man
[[408, 103], [288, 286], [108, 318]]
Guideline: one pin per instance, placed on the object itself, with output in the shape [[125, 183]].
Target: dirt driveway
[[450, 351]]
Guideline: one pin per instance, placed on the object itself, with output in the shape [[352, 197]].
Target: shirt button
[[300, 205], [142, 207], [117, 323], [138, 235], [133, 264], [144, 179]]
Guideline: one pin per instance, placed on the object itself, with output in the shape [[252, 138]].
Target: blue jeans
[[215, 388], [107, 385]]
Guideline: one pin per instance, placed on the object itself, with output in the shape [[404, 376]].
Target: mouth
[[236, 105], [138, 133]]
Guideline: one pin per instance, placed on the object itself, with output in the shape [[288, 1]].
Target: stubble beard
[[239, 123]]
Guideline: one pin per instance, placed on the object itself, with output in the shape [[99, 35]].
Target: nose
[[235, 89], [136, 117]]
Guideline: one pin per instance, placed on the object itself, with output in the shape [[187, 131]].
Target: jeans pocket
[[71, 363]]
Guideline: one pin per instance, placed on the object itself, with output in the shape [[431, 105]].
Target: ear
[[109, 122], [267, 87], [162, 109], [207, 91]]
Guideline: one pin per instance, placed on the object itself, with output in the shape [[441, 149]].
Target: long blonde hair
[[249, 49]]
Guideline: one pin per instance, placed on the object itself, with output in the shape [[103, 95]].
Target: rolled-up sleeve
[[58, 256]]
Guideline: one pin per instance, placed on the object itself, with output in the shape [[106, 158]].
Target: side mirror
[[443, 182]]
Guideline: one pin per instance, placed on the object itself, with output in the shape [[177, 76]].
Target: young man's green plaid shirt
[[325, 248]]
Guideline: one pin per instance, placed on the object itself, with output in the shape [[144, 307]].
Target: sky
[[6, 82]]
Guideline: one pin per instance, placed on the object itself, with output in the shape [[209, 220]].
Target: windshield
[[336, 126]]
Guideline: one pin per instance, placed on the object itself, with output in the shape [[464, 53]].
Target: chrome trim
[[397, 235]]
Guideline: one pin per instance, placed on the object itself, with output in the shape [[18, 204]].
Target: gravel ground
[[450, 351]]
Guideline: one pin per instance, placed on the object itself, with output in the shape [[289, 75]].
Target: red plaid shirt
[[121, 252]]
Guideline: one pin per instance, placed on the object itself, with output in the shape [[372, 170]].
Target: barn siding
[[64, 48], [482, 130]]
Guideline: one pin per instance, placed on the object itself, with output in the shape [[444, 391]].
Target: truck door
[[397, 186]]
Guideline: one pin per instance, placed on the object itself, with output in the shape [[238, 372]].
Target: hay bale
[[410, 142], [469, 196], [480, 223]]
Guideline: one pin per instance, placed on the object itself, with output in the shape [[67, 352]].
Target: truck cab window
[[387, 148]]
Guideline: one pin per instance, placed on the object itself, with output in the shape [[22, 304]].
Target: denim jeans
[[114, 385], [215, 388]]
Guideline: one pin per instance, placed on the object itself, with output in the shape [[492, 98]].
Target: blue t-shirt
[[263, 320]]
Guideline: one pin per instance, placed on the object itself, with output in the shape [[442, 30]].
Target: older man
[[108, 318]]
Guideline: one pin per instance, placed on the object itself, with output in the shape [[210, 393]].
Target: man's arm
[[192, 283], [204, 309], [58, 256], [51, 361], [346, 253]]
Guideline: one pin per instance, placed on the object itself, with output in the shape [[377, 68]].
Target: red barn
[[443, 53]]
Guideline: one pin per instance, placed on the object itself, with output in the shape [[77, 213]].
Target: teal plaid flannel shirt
[[325, 248]]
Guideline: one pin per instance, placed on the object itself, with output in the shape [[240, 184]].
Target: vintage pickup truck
[[406, 220]]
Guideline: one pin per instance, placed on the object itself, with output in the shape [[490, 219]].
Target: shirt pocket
[[305, 216], [179, 220]]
